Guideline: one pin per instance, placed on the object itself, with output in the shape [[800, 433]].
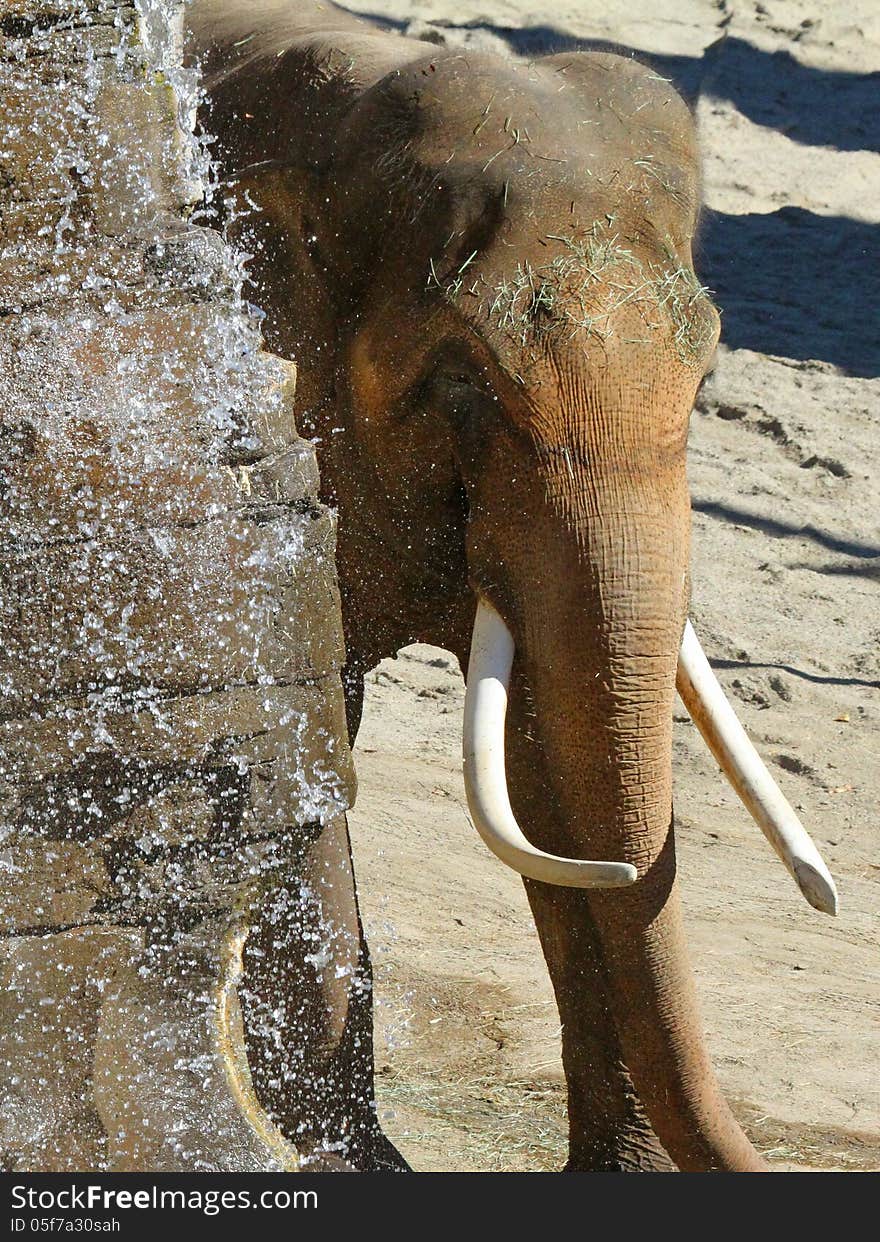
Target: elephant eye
[[462, 386], [462, 398], [457, 393]]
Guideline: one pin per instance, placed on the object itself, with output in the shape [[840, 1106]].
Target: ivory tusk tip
[[572, 872], [817, 886], [575, 873], [621, 874]]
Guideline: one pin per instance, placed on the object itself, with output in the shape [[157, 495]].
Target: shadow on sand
[[795, 284], [785, 530]]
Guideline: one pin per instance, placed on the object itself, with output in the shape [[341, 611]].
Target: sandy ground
[[786, 566]]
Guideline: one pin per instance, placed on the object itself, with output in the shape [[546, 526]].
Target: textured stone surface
[[172, 731]]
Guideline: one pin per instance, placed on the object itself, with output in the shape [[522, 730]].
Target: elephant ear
[[278, 76], [274, 216], [414, 199], [278, 80]]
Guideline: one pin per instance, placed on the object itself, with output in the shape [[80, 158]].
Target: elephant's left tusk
[[713, 715]]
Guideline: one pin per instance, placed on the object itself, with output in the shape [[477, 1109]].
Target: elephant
[[483, 268]]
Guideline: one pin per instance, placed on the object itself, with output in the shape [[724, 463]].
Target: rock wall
[[171, 718]]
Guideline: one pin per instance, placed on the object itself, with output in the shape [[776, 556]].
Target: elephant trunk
[[604, 710], [658, 1024], [597, 652]]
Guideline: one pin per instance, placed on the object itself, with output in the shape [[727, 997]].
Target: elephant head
[[505, 336]]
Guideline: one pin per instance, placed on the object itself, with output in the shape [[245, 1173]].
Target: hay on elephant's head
[[582, 289]]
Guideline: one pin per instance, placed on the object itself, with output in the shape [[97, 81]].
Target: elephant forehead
[[563, 123], [470, 95], [597, 293]]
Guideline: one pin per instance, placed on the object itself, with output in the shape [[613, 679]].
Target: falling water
[[171, 735]]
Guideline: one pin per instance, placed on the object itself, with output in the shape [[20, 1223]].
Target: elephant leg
[[608, 1128], [307, 1007]]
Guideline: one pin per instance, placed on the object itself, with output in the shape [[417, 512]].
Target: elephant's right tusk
[[713, 715], [485, 781]]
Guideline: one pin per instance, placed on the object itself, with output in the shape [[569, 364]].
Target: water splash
[[171, 724]]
